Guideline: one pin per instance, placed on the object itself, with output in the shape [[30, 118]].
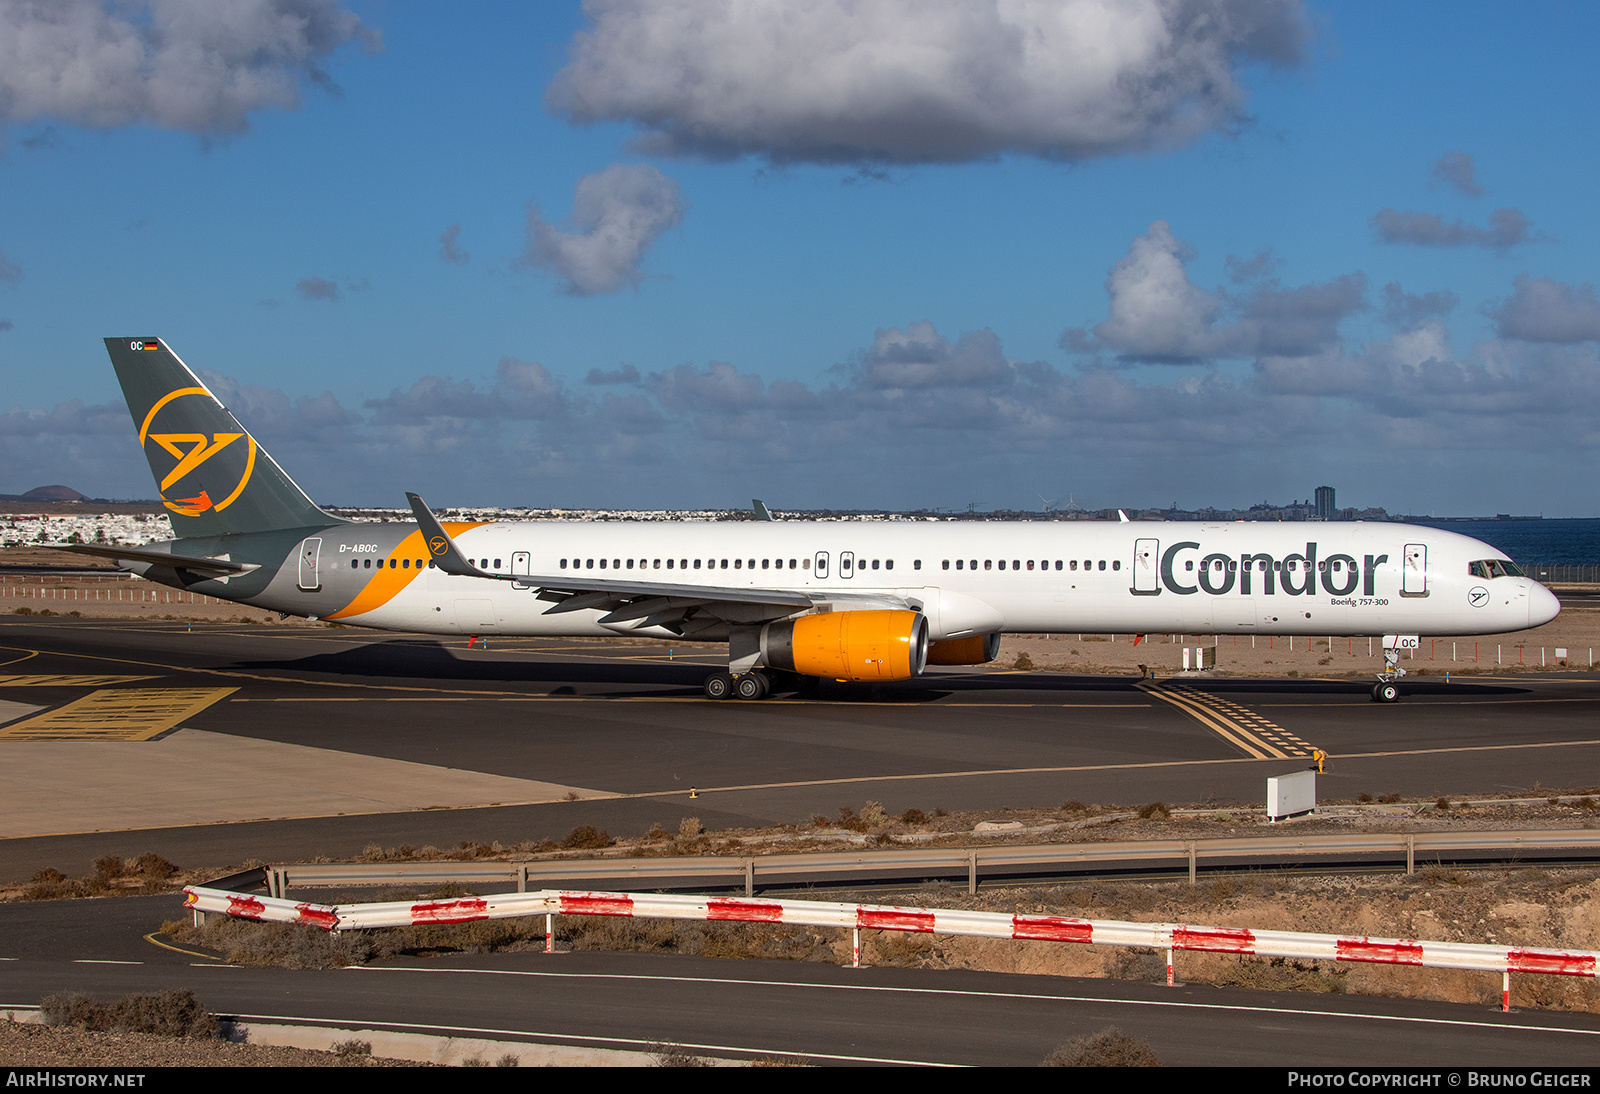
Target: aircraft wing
[[681, 608]]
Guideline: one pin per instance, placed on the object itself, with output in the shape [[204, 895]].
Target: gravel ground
[[24, 1044]]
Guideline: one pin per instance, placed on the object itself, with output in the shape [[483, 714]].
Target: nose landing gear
[[1387, 689]]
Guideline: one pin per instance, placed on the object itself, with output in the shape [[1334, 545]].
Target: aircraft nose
[[1543, 605]]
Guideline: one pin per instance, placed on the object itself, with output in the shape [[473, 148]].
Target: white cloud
[[1543, 309], [1157, 314], [196, 65], [914, 81], [449, 249], [1507, 228], [318, 288], [617, 214], [1456, 169]]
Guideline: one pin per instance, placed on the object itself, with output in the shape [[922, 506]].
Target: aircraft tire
[[752, 685], [719, 685], [1385, 693]]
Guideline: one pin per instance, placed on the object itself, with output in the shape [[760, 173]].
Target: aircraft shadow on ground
[[410, 661], [1356, 686]]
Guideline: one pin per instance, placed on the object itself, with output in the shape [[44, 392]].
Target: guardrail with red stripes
[[1170, 937]]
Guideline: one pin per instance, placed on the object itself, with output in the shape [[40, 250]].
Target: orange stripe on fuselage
[[387, 583]]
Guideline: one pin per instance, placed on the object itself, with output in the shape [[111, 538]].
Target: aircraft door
[[1414, 577], [310, 579], [521, 563], [820, 567], [1146, 559], [847, 564]]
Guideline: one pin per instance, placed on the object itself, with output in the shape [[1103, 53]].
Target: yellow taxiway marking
[[123, 714], [66, 681], [1260, 737], [154, 941]]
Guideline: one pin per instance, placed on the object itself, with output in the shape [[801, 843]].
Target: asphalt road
[[824, 1013], [349, 738]]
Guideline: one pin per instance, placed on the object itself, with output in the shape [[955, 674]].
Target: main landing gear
[[1387, 689], [755, 684], [748, 685]]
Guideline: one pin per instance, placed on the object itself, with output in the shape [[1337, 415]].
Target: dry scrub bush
[[174, 1013], [1109, 1048]]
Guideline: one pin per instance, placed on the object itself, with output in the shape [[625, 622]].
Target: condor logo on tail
[[191, 451]]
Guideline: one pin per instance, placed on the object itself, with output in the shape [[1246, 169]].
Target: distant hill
[[47, 493], [54, 493]]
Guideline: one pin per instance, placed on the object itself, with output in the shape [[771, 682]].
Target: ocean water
[[1534, 541]]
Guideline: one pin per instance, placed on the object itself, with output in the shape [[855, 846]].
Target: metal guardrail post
[[972, 872], [749, 877], [1411, 855], [1191, 863]]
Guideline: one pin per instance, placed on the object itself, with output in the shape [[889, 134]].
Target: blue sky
[[883, 256]]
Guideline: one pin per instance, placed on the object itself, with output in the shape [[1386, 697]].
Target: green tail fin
[[213, 477]]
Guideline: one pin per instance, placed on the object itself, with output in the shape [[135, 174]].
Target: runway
[[285, 742]]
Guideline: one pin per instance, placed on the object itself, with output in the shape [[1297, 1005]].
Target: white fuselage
[[968, 577]]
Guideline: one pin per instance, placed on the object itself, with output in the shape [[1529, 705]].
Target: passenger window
[[563, 564], [764, 563], [874, 564], [1074, 564], [669, 563], [736, 564], [752, 564], [1016, 564], [973, 564], [791, 564], [1116, 564], [1002, 564], [958, 564], [355, 564], [988, 563], [1030, 564], [697, 564], [945, 565], [805, 563], [889, 565], [724, 564], [1103, 564], [1058, 564], [1187, 565]]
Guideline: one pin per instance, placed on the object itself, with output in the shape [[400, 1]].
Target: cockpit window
[[1494, 567]]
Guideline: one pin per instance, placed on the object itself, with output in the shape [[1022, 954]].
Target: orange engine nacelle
[[883, 645], [980, 649]]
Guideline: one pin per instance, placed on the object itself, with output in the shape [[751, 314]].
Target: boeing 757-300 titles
[[793, 600]]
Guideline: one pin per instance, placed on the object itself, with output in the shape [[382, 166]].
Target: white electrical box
[[1291, 795]]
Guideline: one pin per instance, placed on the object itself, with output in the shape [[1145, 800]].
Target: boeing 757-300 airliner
[[794, 601]]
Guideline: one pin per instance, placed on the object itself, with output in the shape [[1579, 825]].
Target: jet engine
[[979, 649], [866, 645]]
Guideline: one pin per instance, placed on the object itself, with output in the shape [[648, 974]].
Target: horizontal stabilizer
[[209, 567]]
